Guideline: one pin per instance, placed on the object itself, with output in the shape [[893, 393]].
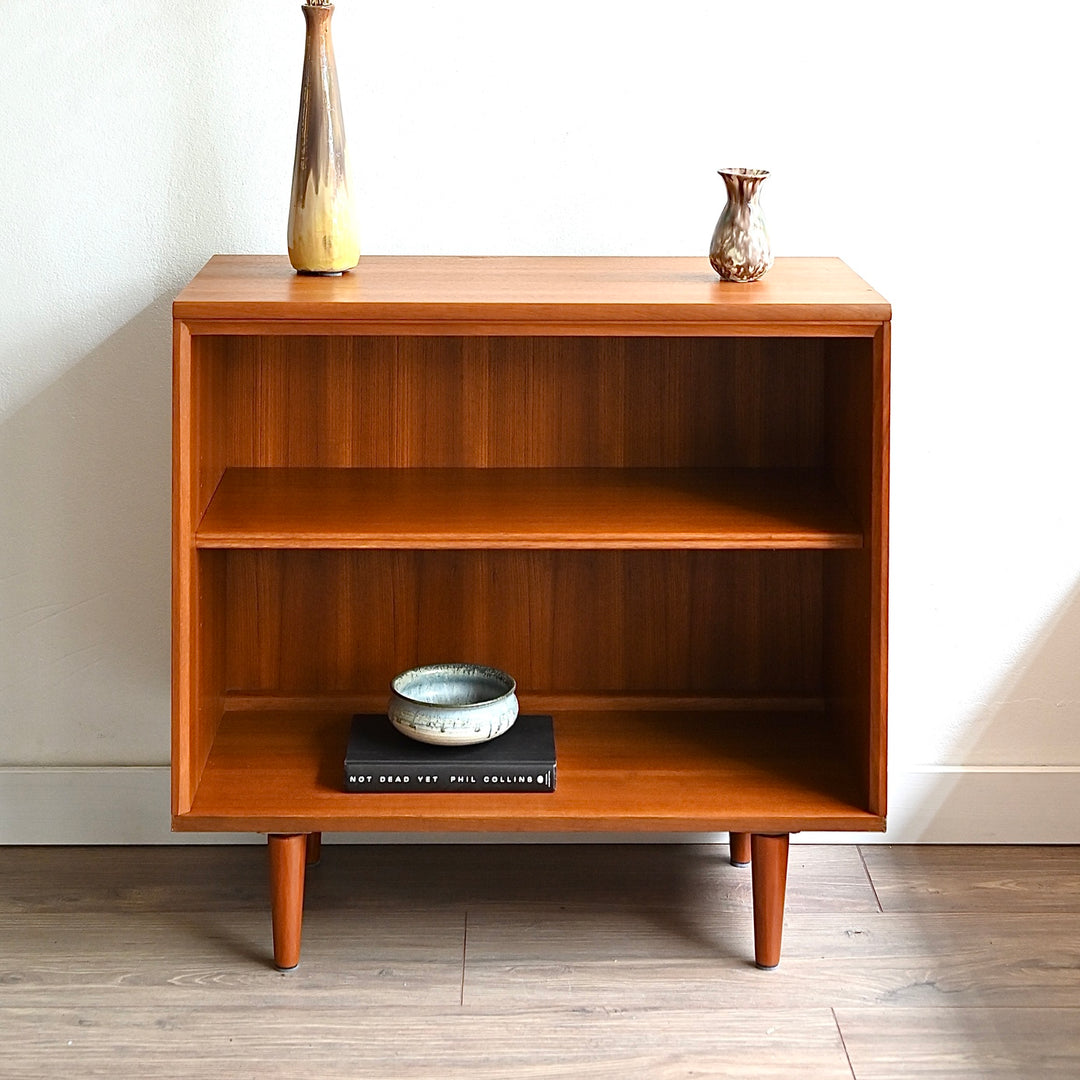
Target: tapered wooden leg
[[739, 842], [314, 848], [288, 856], [769, 860]]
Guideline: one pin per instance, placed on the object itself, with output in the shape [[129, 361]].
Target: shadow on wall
[[205, 148], [1017, 772], [85, 553]]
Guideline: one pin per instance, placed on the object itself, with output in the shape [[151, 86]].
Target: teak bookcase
[[658, 500]]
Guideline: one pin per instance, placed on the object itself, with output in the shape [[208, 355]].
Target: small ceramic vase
[[740, 245], [322, 224]]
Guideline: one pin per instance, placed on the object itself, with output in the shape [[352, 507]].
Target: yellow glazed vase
[[322, 221]]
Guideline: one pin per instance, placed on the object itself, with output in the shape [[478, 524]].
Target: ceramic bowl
[[453, 704]]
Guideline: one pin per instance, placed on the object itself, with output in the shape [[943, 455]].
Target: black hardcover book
[[380, 759]]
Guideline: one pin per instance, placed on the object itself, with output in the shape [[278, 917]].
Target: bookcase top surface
[[537, 292]]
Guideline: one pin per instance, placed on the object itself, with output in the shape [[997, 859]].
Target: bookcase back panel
[[534, 401], [679, 622]]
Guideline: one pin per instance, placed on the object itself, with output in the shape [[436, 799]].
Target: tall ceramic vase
[[323, 236], [740, 245]]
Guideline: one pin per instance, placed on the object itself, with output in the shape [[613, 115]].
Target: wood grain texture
[[739, 842], [185, 513], [273, 772], [579, 926], [525, 508], [366, 449], [877, 600], [577, 960], [223, 959], [769, 867], [288, 863], [530, 292], [953, 1044], [856, 593], [720, 624], [387, 394], [65, 881], [364, 879], [562, 956], [529, 402], [347, 1041], [976, 879]]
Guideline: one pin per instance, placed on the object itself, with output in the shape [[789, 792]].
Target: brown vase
[[322, 222], [740, 248]]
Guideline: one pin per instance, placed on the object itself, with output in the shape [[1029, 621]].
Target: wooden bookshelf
[[275, 769], [658, 500], [526, 508]]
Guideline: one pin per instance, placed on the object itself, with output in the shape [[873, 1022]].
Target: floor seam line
[[843, 1043], [464, 955], [869, 878]]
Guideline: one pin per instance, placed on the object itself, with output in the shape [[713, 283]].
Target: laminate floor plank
[[975, 878], [110, 879], [563, 957], [331, 1043], [954, 1044], [225, 958], [234, 878], [553, 960]]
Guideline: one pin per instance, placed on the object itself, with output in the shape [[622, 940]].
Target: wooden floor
[[554, 961]]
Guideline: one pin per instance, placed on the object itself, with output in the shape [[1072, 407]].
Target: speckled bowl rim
[[501, 677]]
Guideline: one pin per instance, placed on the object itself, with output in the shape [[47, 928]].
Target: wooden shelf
[[551, 295], [281, 771], [526, 508]]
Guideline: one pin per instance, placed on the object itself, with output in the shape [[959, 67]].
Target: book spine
[[443, 778]]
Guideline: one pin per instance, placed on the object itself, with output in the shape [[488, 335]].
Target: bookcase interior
[[749, 641], [402, 401]]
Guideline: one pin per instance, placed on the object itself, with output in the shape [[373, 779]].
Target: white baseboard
[[89, 805], [928, 805]]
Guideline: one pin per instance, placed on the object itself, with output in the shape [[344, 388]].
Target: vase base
[[321, 273], [740, 280]]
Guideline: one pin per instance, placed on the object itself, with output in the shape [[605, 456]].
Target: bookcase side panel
[[879, 570], [208, 671], [199, 457], [184, 592], [855, 613]]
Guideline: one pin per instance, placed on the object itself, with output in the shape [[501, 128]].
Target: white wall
[[931, 145]]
